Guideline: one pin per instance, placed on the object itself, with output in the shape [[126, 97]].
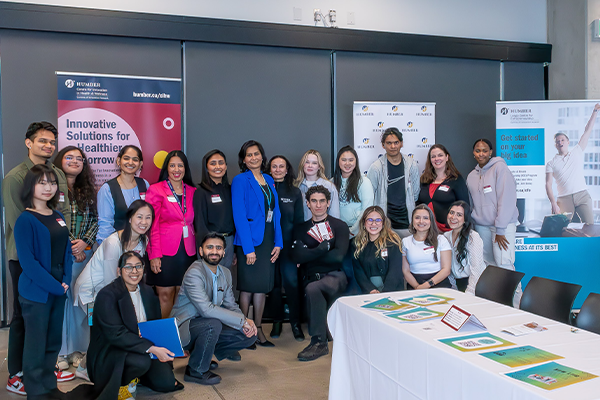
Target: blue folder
[[163, 333]]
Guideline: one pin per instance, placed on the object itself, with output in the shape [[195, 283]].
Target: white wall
[[513, 20]]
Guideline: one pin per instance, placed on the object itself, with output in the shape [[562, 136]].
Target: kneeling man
[[210, 322], [320, 245]]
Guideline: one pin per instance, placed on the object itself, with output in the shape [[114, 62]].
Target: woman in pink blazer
[[172, 245]]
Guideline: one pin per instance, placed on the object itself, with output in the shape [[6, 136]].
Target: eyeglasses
[[78, 159], [130, 268], [374, 221]]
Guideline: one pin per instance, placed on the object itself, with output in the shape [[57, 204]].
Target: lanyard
[[268, 196], [184, 206]]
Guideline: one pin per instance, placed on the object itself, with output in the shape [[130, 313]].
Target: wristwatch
[[431, 284]]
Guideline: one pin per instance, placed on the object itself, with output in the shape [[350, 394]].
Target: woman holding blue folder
[[118, 357]]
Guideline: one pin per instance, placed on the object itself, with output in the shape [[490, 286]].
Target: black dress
[[259, 277]]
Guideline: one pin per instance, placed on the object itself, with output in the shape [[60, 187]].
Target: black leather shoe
[[213, 365], [251, 347], [266, 343], [313, 351], [297, 331], [234, 357], [276, 330], [206, 378]]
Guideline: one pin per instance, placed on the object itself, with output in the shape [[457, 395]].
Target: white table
[[376, 357]]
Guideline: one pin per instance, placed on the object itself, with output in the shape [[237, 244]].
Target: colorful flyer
[[387, 304], [551, 376], [414, 315], [521, 356], [476, 342], [427, 300]]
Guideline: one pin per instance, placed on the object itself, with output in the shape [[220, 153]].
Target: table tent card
[[476, 342], [520, 356], [427, 300], [414, 315], [387, 304], [551, 376], [456, 318], [525, 329]]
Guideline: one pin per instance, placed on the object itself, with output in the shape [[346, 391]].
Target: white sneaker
[[82, 373], [62, 363], [15, 384]]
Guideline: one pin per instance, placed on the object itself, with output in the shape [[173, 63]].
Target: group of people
[[314, 238]]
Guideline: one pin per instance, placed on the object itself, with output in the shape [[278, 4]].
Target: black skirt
[[422, 278], [172, 269], [259, 277]]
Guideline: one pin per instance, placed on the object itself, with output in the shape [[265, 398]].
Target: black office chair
[[589, 316], [498, 284], [549, 298]]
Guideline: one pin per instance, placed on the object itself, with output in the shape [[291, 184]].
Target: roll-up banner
[[416, 122], [101, 113], [553, 151]]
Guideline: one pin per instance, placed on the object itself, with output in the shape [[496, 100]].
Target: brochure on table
[[476, 342], [387, 304], [525, 329], [551, 376], [414, 315], [427, 300], [456, 318], [520, 356]]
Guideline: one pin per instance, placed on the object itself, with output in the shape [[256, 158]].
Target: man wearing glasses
[[40, 140], [320, 245], [209, 320]]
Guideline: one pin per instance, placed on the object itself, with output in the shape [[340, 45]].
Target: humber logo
[[409, 124], [411, 155], [504, 111], [394, 108], [423, 108], [69, 83], [366, 140], [424, 140], [380, 124], [365, 108]]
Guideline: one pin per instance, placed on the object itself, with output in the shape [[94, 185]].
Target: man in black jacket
[[321, 263]]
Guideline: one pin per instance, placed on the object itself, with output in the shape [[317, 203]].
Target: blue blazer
[[249, 213], [32, 239]]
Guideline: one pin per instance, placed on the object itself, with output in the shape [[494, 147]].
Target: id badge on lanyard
[[183, 207]]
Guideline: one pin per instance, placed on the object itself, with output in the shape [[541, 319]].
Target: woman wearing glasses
[[82, 233], [376, 255]]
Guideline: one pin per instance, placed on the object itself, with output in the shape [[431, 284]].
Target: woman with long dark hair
[[467, 248], [441, 184], [376, 254], [286, 271], [44, 249], [117, 194], [172, 246], [257, 231], [212, 203], [426, 255], [82, 233]]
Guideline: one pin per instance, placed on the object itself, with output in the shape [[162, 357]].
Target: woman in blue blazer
[[257, 231], [44, 250]]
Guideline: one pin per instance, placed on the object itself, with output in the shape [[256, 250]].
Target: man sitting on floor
[[320, 255], [209, 320]]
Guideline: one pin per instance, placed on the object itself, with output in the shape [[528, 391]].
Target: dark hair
[[432, 234], [244, 150], [429, 175], [353, 180], [164, 171], [127, 147], [84, 190], [35, 127], [125, 256], [33, 177], [133, 208], [484, 140], [391, 131], [290, 177], [461, 249], [317, 189], [206, 182], [213, 235]]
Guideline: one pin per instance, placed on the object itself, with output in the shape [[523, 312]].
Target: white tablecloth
[[376, 357]]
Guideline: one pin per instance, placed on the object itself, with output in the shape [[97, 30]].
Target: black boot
[[276, 330], [297, 331]]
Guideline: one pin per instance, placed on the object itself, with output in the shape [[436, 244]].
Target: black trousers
[[286, 276], [43, 338], [153, 374], [320, 295], [16, 334]]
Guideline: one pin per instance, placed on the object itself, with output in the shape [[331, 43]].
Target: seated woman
[[467, 248], [426, 258], [376, 255], [118, 356]]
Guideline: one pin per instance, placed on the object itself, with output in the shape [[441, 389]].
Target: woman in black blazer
[[118, 356]]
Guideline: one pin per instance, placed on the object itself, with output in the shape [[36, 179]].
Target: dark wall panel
[[523, 81], [464, 91], [279, 97]]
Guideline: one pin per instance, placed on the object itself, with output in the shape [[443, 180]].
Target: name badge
[[487, 189], [215, 198], [61, 222], [172, 199], [269, 216], [384, 253], [185, 231], [61, 197], [444, 188], [428, 250], [143, 195]]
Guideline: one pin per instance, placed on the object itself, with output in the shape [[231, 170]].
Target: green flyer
[[478, 341], [551, 376], [520, 356], [387, 304], [427, 300], [414, 315]]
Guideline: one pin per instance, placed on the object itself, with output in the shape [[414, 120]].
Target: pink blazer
[[167, 228]]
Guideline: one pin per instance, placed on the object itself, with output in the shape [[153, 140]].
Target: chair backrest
[[549, 298], [498, 284], [589, 316]]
